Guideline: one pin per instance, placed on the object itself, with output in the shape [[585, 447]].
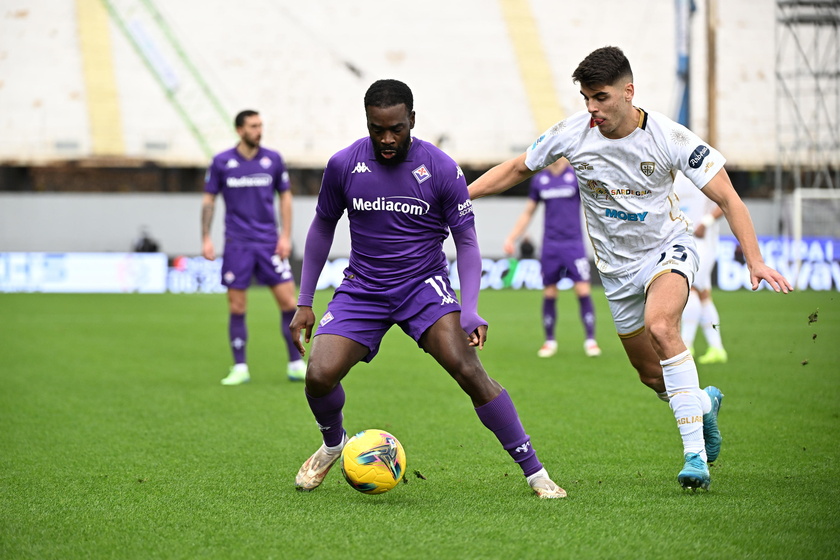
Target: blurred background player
[[700, 310], [563, 254], [403, 197], [248, 176]]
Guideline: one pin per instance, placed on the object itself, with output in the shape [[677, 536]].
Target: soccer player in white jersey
[[625, 159], [700, 311]]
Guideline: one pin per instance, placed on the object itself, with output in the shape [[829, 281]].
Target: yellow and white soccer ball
[[373, 461]]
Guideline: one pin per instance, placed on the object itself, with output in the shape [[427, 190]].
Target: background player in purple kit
[[402, 196], [563, 254], [248, 176]]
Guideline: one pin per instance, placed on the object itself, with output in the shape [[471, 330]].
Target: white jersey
[[627, 185]]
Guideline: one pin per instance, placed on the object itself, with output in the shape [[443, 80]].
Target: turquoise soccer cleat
[[695, 473], [711, 432]]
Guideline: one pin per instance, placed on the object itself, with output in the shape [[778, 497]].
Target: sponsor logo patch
[[697, 156]]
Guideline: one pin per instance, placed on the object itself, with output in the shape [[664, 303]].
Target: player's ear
[[411, 120], [629, 91]]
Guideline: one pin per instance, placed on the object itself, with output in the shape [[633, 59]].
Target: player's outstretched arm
[[208, 208], [501, 178], [720, 190], [469, 272]]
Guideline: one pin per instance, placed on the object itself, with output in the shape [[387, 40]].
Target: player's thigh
[[330, 360]]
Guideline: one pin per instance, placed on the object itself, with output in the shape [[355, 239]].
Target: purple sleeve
[[469, 272], [211, 178], [317, 249]]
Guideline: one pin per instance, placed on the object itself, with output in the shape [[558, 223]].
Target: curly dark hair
[[603, 67], [387, 93]]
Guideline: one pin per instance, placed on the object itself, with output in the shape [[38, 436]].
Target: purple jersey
[[248, 187], [562, 206], [399, 214]]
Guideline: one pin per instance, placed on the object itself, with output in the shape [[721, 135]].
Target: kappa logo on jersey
[[648, 167], [458, 173], [231, 163], [698, 155], [326, 318], [265, 162], [361, 167], [421, 174], [396, 204], [626, 216]]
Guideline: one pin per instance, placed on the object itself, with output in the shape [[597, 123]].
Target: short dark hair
[[387, 93], [240, 118], [603, 67]]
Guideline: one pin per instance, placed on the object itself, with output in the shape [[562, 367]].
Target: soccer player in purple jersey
[[403, 196], [248, 176], [563, 254]]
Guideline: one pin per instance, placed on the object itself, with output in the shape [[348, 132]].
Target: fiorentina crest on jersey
[[421, 174], [265, 162]]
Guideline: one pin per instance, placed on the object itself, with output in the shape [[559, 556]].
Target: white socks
[[687, 400]]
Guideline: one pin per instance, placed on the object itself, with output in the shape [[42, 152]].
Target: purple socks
[[501, 418], [327, 411], [285, 321], [238, 335]]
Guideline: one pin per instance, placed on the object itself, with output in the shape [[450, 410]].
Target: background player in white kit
[[625, 159], [700, 310]]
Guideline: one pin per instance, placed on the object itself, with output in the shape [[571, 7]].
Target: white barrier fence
[[152, 273]]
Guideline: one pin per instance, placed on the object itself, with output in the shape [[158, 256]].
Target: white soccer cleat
[[544, 487], [549, 348], [591, 348], [315, 469], [237, 376], [296, 370]]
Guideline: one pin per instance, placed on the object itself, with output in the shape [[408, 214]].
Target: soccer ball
[[373, 461]]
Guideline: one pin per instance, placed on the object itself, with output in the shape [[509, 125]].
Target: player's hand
[[508, 247], [761, 272], [700, 231], [303, 320], [478, 337], [284, 247], [207, 250]]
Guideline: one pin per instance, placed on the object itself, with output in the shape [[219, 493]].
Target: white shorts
[[626, 294], [707, 254]]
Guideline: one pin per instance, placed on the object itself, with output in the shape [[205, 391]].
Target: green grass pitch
[[117, 440]]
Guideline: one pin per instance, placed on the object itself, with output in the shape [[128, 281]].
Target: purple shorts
[[565, 261], [364, 313], [242, 261]]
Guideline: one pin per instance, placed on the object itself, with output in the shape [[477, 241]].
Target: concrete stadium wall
[[306, 65], [111, 222]]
